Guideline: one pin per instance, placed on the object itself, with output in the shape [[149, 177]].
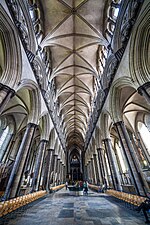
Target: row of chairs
[[15, 203], [56, 188], [94, 187], [131, 199]]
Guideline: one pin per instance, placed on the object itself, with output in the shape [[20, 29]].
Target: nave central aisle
[[61, 208]]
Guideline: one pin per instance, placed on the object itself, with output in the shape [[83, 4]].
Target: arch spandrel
[[139, 54], [35, 99], [11, 73]]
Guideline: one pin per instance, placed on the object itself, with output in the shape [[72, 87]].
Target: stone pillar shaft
[[17, 170], [114, 175], [136, 176], [86, 172], [47, 169], [93, 171], [90, 171], [38, 165], [58, 169], [55, 168], [102, 170], [47, 159], [96, 168], [61, 172], [50, 168], [64, 173]]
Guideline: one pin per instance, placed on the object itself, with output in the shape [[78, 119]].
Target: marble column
[[86, 172], [17, 171], [61, 172], [6, 93], [96, 169], [131, 158], [101, 164], [93, 171], [62, 179], [113, 170], [64, 173], [47, 160], [38, 165], [55, 168], [90, 171], [58, 170], [48, 168]]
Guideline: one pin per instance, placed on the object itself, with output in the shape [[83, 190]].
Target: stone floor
[[63, 209]]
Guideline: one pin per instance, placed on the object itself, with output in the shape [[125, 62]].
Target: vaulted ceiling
[[73, 31]]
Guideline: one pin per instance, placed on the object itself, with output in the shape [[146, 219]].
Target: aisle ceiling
[[73, 30]]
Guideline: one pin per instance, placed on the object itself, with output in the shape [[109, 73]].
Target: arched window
[[115, 12], [145, 135], [4, 135], [120, 156], [6, 131], [117, 1]]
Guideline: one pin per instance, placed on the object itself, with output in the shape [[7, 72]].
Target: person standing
[[66, 184], [85, 186]]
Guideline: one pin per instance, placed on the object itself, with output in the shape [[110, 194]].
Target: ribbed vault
[[73, 31]]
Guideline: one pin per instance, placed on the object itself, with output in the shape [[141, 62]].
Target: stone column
[[5, 95], [93, 171], [38, 165], [50, 169], [47, 169], [64, 173], [96, 168], [61, 171], [131, 158], [45, 177], [114, 175], [90, 171], [105, 166], [101, 164], [55, 168], [18, 167], [83, 163], [86, 172], [58, 169]]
